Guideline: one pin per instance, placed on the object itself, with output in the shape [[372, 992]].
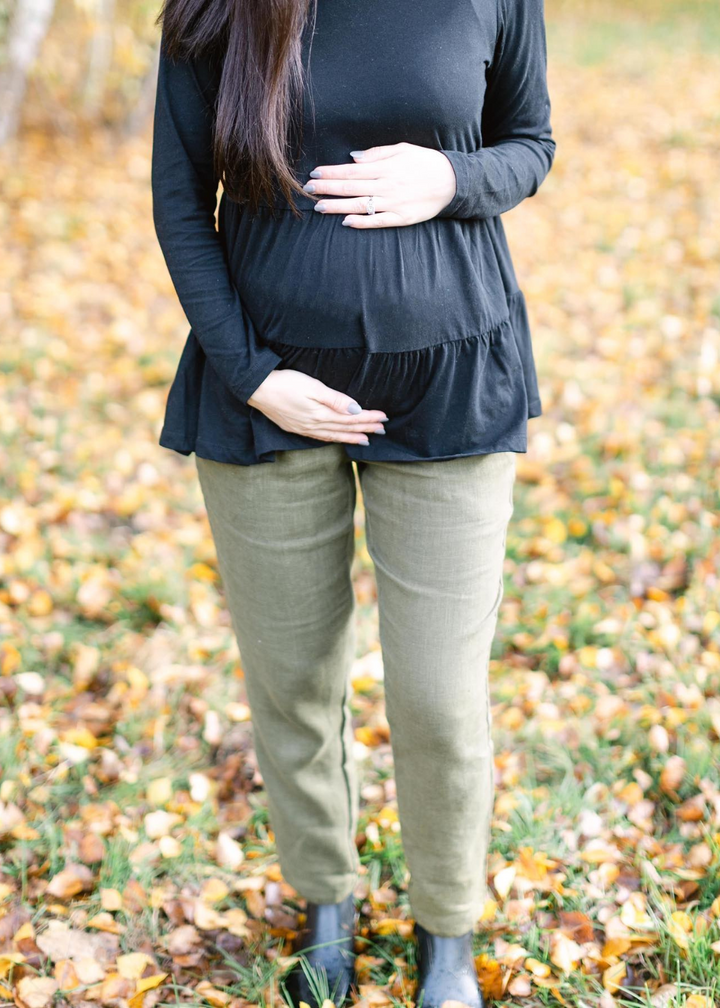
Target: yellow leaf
[[214, 891], [66, 975], [391, 925], [613, 977], [132, 966], [8, 960], [564, 952], [169, 847], [633, 913], [79, 737], [111, 899], [698, 1001], [238, 712], [151, 982], [159, 791], [25, 931], [537, 968], [679, 926], [215, 997], [105, 922], [503, 880]]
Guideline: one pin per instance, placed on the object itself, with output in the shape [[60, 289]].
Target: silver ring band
[[370, 206]]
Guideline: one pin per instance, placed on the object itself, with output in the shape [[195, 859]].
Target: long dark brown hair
[[259, 101]]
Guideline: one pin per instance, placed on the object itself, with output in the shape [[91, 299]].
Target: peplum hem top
[[425, 321]]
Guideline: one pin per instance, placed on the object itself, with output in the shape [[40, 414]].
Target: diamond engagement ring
[[370, 206]]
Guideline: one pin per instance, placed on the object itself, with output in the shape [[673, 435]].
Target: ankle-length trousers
[[436, 531]]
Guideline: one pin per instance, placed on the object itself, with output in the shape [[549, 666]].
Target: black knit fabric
[[424, 321]]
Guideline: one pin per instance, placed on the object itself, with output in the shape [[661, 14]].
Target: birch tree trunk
[[140, 114], [101, 48], [28, 27]]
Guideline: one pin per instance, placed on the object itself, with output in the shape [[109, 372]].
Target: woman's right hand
[[298, 403]]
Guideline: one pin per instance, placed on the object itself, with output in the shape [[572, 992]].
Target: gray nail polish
[[320, 207], [380, 430], [309, 187], [365, 442], [316, 173], [354, 408], [356, 153]]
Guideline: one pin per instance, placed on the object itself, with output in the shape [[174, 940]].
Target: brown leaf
[[115, 987], [72, 880], [91, 848], [135, 897], [672, 775], [182, 941], [576, 925]]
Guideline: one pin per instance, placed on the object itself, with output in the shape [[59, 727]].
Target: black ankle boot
[[446, 970], [331, 966]]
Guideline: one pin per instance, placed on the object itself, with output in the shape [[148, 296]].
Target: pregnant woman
[[356, 323]]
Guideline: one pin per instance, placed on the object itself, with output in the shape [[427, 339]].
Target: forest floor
[[138, 866]]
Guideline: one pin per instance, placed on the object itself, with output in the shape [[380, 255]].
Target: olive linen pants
[[436, 532]]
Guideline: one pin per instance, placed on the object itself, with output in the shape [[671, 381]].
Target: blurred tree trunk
[[140, 114], [28, 27], [100, 56]]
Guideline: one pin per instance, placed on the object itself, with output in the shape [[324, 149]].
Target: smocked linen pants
[[436, 532]]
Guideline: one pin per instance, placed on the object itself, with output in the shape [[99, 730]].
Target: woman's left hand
[[410, 184]]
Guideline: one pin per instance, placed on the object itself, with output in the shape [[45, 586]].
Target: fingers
[[367, 420], [344, 187], [363, 428], [329, 435], [343, 408], [350, 206], [362, 166], [378, 153], [376, 220]]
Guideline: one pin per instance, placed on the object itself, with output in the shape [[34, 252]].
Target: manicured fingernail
[[380, 430], [321, 207], [365, 441], [346, 223], [356, 153], [316, 173], [354, 408], [309, 187]]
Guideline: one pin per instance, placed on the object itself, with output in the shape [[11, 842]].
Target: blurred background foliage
[[94, 60], [131, 809]]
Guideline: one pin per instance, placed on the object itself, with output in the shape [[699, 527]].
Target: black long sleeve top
[[424, 321]]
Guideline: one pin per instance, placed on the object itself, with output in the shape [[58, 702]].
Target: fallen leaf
[[66, 975], [228, 852], [106, 922], [182, 940], [36, 992], [62, 943], [71, 881], [133, 965], [111, 900]]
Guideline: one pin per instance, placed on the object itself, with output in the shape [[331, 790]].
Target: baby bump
[[311, 282]]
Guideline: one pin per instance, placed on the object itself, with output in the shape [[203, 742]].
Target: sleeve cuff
[[460, 163], [245, 384]]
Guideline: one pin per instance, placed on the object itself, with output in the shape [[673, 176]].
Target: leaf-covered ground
[[137, 861]]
